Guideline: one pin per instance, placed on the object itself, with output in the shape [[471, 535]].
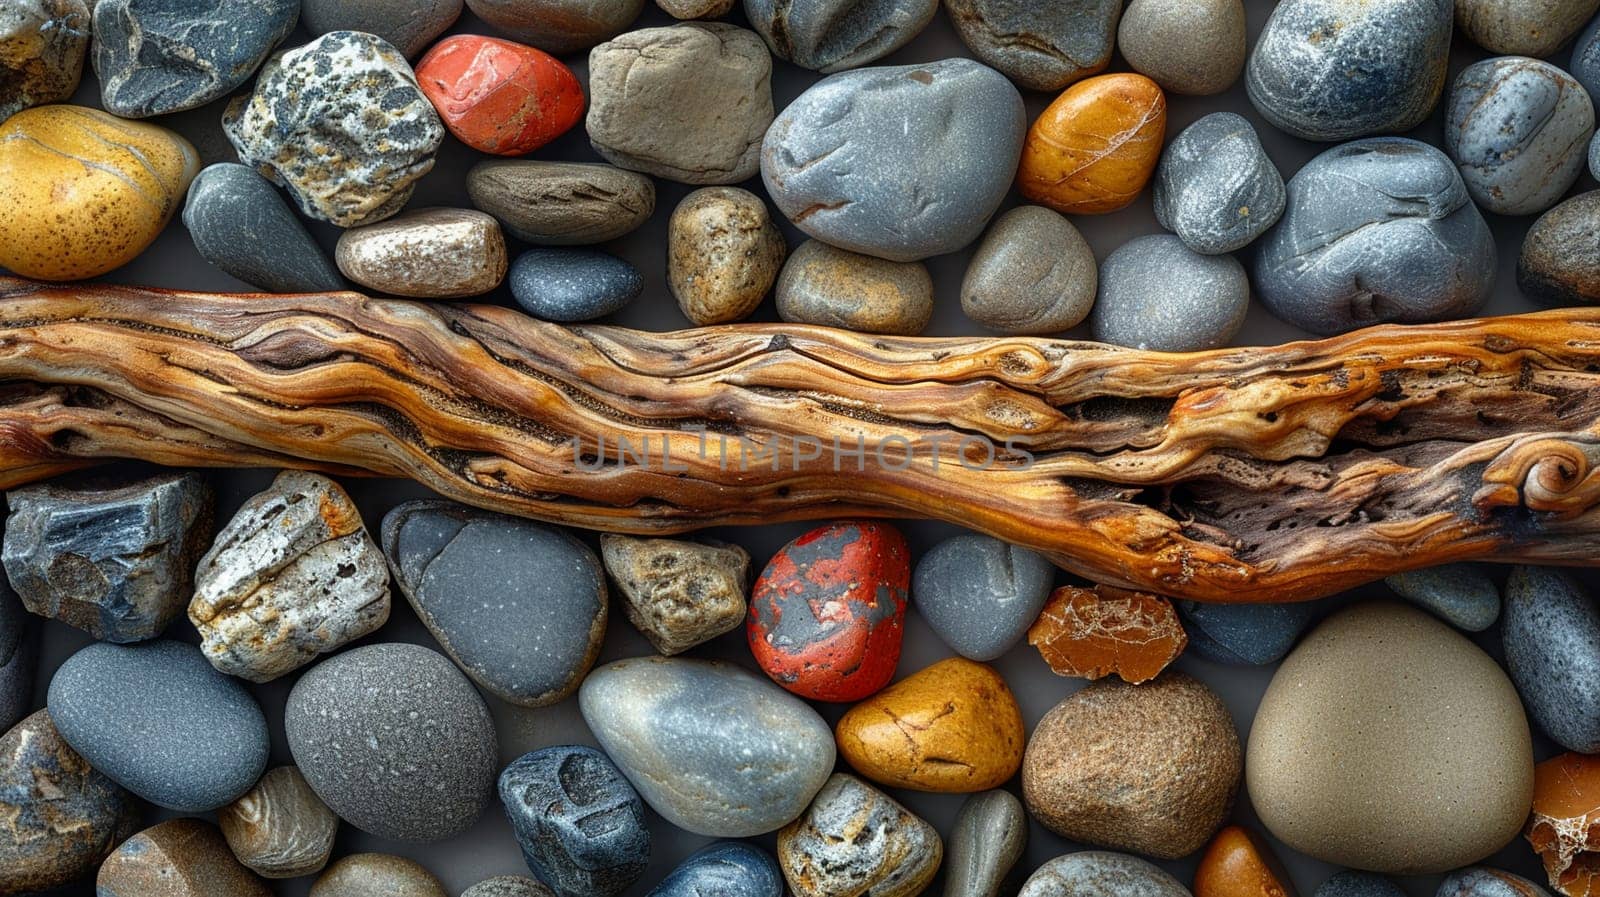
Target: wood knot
[[1552, 476]]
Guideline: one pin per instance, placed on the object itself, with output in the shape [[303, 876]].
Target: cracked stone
[[580, 824], [1099, 631]]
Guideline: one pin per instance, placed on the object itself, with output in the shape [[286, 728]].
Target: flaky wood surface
[[1262, 474]]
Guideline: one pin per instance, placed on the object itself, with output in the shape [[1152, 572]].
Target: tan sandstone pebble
[[1195, 47], [562, 203], [854, 839], [280, 828], [178, 858], [1148, 768], [677, 593], [723, 253], [1389, 742], [377, 875], [426, 254], [834, 287]]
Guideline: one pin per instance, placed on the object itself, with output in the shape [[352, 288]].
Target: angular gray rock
[[240, 223], [558, 26], [18, 657], [1462, 594], [562, 203], [834, 35], [1156, 293], [580, 824], [1216, 188], [981, 594], [1099, 873], [990, 834], [1040, 45], [410, 25], [1032, 274], [679, 594], [1552, 643], [42, 45]]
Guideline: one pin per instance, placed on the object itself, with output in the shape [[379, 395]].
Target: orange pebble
[[1094, 149], [1098, 631], [1238, 864], [1565, 827]]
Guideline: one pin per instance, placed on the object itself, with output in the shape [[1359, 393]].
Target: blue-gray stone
[[240, 223], [160, 721], [1041, 46], [1359, 884], [580, 824], [981, 594], [1519, 129], [519, 606], [1480, 881], [1461, 594], [1101, 873], [1594, 157], [411, 25], [159, 56], [1156, 293], [18, 657], [395, 740], [1376, 231], [726, 869], [1552, 643], [1332, 70], [1244, 634], [569, 285], [1216, 188], [1585, 64], [113, 557], [834, 35], [899, 162]]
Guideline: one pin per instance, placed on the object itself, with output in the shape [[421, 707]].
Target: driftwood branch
[[1267, 474]]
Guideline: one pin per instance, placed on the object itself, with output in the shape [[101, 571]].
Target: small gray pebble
[[42, 45], [1158, 294], [1376, 231], [17, 658], [1244, 634], [411, 25], [832, 287], [1333, 70], [1359, 884], [508, 886], [1519, 129], [558, 26], [1040, 45], [899, 162], [1194, 47], [990, 833], [1032, 274], [981, 594], [1216, 188], [726, 869], [1522, 27], [580, 824], [1462, 594], [570, 284], [562, 203], [1585, 65], [1594, 157], [160, 721], [1480, 881], [834, 35], [1552, 643], [240, 223], [1560, 259], [1099, 873]]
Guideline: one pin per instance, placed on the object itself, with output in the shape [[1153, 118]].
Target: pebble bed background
[[489, 848]]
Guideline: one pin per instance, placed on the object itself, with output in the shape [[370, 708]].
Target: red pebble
[[829, 611], [500, 97]]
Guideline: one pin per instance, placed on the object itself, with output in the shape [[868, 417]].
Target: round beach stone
[[508, 886], [573, 284], [1332, 70], [678, 594], [500, 97], [1041, 46], [377, 875], [723, 254], [580, 824], [159, 720], [177, 858], [1096, 873], [158, 58], [1032, 274], [1461, 594], [854, 839], [410, 25], [562, 203], [558, 26], [1238, 863], [42, 45], [280, 828], [918, 157], [834, 35], [1552, 644], [1434, 765], [1560, 260], [240, 223], [990, 833], [711, 748], [426, 254], [1216, 188], [1376, 231], [1094, 148], [1519, 130], [83, 192], [1156, 293], [1194, 47], [726, 869], [341, 124], [980, 594], [822, 284], [1522, 27], [395, 740], [1244, 634], [688, 102]]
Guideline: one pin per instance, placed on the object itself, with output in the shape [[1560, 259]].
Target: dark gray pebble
[[1244, 634], [240, 223], [570, 285], [1158, 294], [411, 25], [1216, 188], [981, 594], [1462, 594], [724, 869], [1585, 65], [1552, 644], [1359, 884], [508, 886], [834, 35], [18, 656], [1560, 260], [580, 824]]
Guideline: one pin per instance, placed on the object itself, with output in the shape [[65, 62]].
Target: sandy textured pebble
[[1480, 881], [1216, 188], [1435, 765], [377, 875], [1032, 274], [1522, 27], [18, 657], [679, 594], [723, 254], [834, 35], [573, 284], [728, 869], [426, 254], [280, 828], [981, 594], [1565, 825], [177, 858], [1095, 873], [240, 223], [696, 9], [898, 162], [157, 58], [562, 203], [83, 192], [1100, 631], [1157, 293], [293, 575], [1462, 594], [1560, 260], [341, 124], [112, 557], [1238, 863], [1244, 634], [1094, 148], [580, 824], [1359, 884], [990, 833], [711, 748], [410, 25], [500, 97], [42, 45], [1041, 46], [854, 839], [61, 817], [1332, 69], [558, 26], [822, 284], [1519, 130], [1376, 231], [1552, 643], [508, 886], [1192, 47]]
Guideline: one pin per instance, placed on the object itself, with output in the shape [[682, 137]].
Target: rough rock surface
[[280, 828], [562, 203], [724, 252], [678, 594], [42, 45], [18, 657], [1041, 46], [1560, 260], [854, 839], [725, 869], [1099, 631], [426, 254], [580, 824], [177, 858], [834, 35], [1551, 638], [1565, 826]]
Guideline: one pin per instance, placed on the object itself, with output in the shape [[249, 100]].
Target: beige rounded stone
[[178, 858], [835, 287], [426, 254], [377, 875], [1387, 741], [280, 828], [723, 253]]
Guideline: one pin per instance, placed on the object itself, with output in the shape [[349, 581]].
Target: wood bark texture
[[1263, 474]]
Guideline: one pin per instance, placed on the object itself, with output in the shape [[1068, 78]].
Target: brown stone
[[1565, 826], [1094, 148], [377, 875], [280, 828], [723, 253], [679, 594], [1240, 864], [1095, 632], [822, 284], [178, 858]]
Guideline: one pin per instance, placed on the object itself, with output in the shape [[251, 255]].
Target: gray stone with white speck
[[395, 740], [834, 35], [508, 886], [990, 834], [411, 25], [725, 869], [1156, 293], [898, 162], [572, 284], [1041, 46], [580, 824], [158, 720], [1376, 231], [1100, 873], [1359, 884], [981, 594], [1462, 594], [1032, 274], [240, 223], [1585, 65], [42, 45], [713, 749], [1333, 70], [17, 657], [1551, 636], [1216, 188]]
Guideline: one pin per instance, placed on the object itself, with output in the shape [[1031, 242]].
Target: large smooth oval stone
[[1387, 741], [159, 720], [1552, 643], [1560, 261], [714, 749], [898, 162]]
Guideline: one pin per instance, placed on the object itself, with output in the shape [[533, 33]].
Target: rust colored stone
[[1094, 148], [1098, 631], [1565, 826], [1240, 864]]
